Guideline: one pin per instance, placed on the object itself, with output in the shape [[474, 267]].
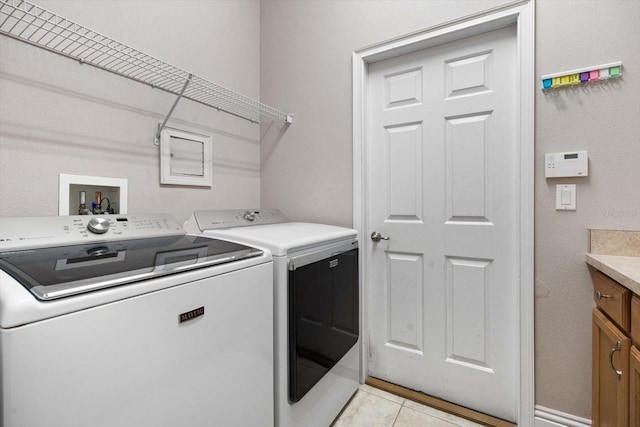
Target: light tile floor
[[371, 407]]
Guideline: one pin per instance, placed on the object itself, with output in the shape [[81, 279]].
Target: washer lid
[[284, 238], [57, 272]]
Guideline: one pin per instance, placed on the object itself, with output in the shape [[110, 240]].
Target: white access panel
[[133, 363]]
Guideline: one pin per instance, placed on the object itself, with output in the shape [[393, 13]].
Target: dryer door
[[323, 315]]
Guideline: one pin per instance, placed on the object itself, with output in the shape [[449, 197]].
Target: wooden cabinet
[[613, 299], [634, 388], [610, 373], [635, 321], [616, 361]]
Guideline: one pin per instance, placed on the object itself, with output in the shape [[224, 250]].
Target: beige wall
[[307, 170], [57, 116], [605, 121]]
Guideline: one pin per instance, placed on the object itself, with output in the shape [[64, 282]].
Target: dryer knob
[[249, 216], [98, 225]]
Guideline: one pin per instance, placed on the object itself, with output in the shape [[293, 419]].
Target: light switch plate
[[566, 197]]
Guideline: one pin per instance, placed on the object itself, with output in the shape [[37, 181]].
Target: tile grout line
[[403, 405], [389, 400], [398, 414]]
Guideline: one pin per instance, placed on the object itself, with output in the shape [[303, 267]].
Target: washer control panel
[[212, 220], [39, 232]]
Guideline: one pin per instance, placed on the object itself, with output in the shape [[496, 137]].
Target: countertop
[[623, 269]]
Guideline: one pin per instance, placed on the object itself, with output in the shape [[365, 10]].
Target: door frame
[[522, 14]]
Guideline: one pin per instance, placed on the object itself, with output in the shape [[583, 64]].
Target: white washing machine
[[125, 320], [316, 294]]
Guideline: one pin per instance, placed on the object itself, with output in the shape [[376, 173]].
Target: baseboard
[[546, 417]]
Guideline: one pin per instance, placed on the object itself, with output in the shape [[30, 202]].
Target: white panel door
[[443, 186]]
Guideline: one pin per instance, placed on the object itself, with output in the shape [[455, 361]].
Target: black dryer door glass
[[323, 318]]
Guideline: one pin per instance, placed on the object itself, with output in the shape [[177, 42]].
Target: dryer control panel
[[211, 220]]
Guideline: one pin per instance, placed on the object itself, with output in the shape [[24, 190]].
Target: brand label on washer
[[333, 263], [190, 315]]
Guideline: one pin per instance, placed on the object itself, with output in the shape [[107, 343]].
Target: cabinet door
[[610, 373], [634, 387], [613, 299], [635, 321]]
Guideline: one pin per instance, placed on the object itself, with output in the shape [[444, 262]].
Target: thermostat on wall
[[558, 165]]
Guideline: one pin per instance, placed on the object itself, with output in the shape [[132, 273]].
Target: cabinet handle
[[615, 348], [600, 295]]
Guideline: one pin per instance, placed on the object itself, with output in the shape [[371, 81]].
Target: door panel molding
[[404, 184], [404, 302], [468, 335], [522, 14]]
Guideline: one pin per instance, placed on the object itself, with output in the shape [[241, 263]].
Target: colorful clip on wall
[[582, 75]]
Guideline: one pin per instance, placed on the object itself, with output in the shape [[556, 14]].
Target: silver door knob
[[376, 237]]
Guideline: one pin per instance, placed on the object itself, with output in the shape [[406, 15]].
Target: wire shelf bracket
[[32, 24], [156, 139]]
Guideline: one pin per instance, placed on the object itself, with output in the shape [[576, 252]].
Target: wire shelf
[[37, 26]]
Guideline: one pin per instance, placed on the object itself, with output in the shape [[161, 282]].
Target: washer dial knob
[[98, 225]]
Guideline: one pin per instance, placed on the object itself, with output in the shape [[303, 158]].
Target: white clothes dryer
[[316, 311], [125, 320]]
